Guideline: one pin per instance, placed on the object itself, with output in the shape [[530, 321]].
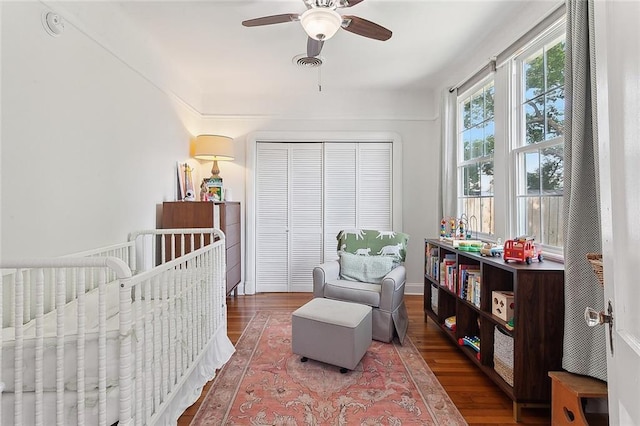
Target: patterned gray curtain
[[584, 347], [448, 197]]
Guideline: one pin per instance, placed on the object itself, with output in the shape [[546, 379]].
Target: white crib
[[128, 333]]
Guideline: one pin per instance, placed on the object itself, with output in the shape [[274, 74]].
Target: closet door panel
[[339, 193], [306, 253], [375, 162], [305, 214], [272, 216], [272, 262]]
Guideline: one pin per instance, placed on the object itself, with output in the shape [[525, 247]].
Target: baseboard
[[409, 288], [414, 288]]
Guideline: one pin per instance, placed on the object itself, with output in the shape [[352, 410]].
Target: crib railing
[[172, 335], [167, 316], [122, 251]]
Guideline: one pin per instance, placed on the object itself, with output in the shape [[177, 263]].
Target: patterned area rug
[[264, 383]]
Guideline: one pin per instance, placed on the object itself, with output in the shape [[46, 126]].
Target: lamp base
[[215, 170]]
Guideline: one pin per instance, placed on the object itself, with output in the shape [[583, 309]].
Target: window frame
[[461, 163], [509, 130], [518, 147]]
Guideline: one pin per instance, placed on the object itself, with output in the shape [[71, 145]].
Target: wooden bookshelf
[[538, 317]]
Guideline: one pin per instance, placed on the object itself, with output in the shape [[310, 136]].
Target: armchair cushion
[[353, 291], [368, 269]]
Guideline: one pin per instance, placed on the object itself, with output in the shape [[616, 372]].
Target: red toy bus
[[522, 250]]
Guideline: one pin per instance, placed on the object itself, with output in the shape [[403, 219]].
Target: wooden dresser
[[206, 214]]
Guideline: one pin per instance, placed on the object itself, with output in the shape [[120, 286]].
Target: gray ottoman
[[331, 331]]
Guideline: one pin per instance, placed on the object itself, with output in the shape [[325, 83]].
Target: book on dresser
[[517, 349], [208, 214]]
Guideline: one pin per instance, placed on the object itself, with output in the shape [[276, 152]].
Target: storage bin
[[503, 355]]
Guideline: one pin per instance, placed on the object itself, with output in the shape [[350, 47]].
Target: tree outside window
[[475, 158], [539, 154]]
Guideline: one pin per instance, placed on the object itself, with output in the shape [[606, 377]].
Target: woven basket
[[595, 259], [503, 355], [503, 370]]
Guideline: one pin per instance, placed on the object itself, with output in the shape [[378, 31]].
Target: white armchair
[[374, 277]]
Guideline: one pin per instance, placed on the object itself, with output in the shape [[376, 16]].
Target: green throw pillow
[[368, 269], [370, 242]]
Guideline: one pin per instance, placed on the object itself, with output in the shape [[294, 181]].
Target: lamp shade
[[321, 23], [213, 147]]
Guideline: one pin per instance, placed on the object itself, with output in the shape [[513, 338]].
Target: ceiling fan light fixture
[[321, 23]]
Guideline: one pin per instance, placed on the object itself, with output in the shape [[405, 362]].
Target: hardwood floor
[[479, 400]]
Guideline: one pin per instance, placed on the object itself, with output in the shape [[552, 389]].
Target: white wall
[[94, 121], [90, 137], [420, 168], [89, 146]]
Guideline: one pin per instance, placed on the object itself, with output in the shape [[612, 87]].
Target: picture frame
[[212, 189], [186, 189], [180, 182]]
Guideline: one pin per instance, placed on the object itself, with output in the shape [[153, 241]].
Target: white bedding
[[215, 355], [70, 346]]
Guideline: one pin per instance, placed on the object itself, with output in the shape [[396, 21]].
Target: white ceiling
[[206, 42]]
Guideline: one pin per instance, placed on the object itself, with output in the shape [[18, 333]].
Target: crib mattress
[[91, 344], [70, 346]]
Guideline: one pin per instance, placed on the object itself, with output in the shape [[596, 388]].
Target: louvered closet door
[[288, 215], [272, 217], [305, 214], [358, 182]]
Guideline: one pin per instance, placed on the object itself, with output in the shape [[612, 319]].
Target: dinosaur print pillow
[[367, 242]]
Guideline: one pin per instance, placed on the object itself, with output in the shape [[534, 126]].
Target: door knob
[[593, 318]]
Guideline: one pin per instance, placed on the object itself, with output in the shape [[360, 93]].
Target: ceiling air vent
[[307, 61]]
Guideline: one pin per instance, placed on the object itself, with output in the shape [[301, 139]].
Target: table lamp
[[213, 148]]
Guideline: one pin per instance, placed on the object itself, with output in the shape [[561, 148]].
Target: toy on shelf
[[455, 231], [509, 325], [522, 249], [473, 342], [450, 323], [491, 249], [470, 245], [461, 233]]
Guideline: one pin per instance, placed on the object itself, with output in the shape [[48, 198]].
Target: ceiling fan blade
[[348, 3], [273, 19], [314, 47], [365, 28]]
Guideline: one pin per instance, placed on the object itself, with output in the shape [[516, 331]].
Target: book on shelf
[[432, 265], [469, 285], [463, 274], [448, 272], [474, 285]]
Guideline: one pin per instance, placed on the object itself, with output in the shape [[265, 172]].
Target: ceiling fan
[[321, 21]]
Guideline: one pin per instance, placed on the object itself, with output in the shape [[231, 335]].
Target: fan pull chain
[[320, 78]]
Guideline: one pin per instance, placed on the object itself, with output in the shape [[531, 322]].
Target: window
[[538, 148], [511, 182], [475, 158]]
